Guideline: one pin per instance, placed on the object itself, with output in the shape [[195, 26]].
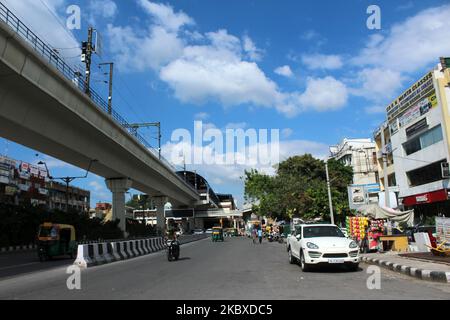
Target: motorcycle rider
[[172, 241]]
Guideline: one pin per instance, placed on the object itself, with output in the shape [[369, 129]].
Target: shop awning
[[376, 212]]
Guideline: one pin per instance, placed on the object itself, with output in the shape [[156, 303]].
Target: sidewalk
[[413, 267]]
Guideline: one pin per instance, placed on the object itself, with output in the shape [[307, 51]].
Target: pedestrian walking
[[254, 235], [260, 235]]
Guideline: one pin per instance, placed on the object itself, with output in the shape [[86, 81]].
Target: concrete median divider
[[22, 248], [98, 253]]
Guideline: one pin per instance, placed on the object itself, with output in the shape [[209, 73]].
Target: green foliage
[[140, 202], [299, 189], [19, 224]]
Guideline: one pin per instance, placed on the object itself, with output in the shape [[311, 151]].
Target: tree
[[299, 189]]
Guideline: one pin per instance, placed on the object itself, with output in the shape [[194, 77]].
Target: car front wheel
[[291, 257], [305, 267]]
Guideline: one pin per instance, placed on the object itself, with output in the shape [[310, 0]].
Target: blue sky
[[309, 68]]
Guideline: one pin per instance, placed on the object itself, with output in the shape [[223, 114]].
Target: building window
[[424, 140], [392, 182], [424, 175]]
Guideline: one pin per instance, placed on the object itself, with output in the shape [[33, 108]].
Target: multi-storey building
[[417, 132], [360, 154], [21, 182]]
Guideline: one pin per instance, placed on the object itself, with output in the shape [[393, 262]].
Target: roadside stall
[[373, 228]]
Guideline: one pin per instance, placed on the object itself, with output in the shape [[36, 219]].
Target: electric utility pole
[[86, 57], [135, 126], [387, 200], [329, 192], [111, 69]]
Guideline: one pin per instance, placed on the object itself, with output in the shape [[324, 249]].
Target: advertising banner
[[34, 170], [10, 191], [43, 173], [25, 167], [419, 109]]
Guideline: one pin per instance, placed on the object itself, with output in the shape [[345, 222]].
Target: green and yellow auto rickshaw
[[217, 234], [56, 240]]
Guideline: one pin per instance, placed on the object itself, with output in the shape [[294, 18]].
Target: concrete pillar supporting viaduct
[[119, 187], [159, 203]]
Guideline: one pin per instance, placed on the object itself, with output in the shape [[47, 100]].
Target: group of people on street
[[257, 233]]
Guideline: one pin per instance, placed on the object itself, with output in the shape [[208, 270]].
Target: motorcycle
[[173, 250], [270, 237]]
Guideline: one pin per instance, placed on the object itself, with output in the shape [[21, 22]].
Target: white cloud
[[378, 84], [231, 174], [322, 61], [220, 68], [106, 9], [250, 48], [284, 71], [324, 94], [99, 191], [154, 47], [135, 53], [412, 44], [216, 71], [165, 16], [43, 19]]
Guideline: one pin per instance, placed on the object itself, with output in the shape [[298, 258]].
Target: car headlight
[[311, 245], [353, 245]]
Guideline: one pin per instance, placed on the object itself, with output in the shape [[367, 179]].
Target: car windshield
[[45, 232], [322, 231]]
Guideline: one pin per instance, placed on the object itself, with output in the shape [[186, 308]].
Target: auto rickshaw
[[217, 234], [56, 240], [232, 232]]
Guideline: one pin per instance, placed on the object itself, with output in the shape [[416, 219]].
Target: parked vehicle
[[209, 231], [56, 240], [173, 250], [217, 234], [199, 231], [321, 244]]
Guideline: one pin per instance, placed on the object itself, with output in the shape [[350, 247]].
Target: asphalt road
[[19, 263], [235, 269]]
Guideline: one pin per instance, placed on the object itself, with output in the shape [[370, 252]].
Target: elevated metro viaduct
[[43, 108]]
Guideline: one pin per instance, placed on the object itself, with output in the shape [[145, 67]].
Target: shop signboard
[[419, 109], [428, 197], [10, 191], [443, 230], [24, 187], [359, 195], [43, 173], [394, 127], [24, 175], [4, 180], [24, 167], [34, 170]]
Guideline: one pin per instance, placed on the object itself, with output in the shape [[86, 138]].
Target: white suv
[[315, 244]]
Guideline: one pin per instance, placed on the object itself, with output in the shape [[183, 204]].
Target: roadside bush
[[19, 224]]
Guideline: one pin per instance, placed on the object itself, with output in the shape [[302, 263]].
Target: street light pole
[[387, 200], [329, 192]]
